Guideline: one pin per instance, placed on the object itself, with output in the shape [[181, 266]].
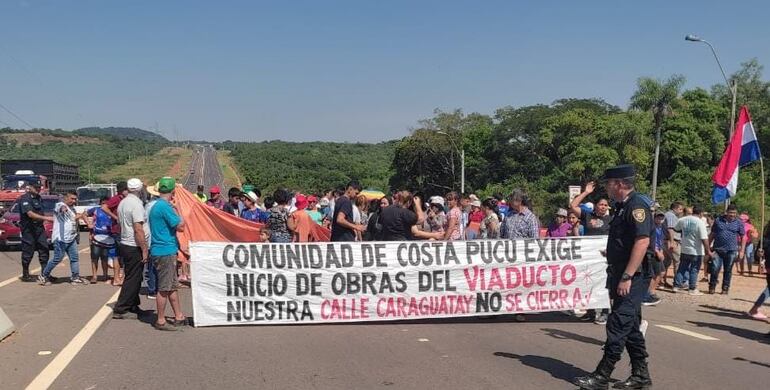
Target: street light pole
[[733, 87], [462, 160]]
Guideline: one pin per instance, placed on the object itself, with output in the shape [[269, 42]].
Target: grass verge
[[231, 177], [169, 161]]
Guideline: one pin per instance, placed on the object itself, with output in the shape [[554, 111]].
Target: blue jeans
[[762, 297], [151, 275], [689, 265], [765, 293], [748, 254], [726, 258], [60, 248]]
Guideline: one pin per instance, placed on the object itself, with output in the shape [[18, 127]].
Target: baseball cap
[[215, 190], [300, 202], [476, 203], [134, 184], [324, 202], [561, 212], [437, 200], [166, 185], [312, 198]]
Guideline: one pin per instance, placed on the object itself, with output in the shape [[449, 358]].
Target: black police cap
[[619, 172]]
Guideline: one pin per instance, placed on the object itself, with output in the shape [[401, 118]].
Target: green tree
[[657, 96]]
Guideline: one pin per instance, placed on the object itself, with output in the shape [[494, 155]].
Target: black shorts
[[98, 253]]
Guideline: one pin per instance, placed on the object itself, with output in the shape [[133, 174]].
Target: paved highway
[[693, 346], [204, 169]]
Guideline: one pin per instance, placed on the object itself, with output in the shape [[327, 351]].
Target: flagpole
[[762, 226]]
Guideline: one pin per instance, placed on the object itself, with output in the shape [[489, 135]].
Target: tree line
[[544, 148]]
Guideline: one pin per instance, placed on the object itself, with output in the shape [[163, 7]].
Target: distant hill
[[131, 133]]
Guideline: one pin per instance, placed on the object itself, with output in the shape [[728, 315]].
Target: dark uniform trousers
[[33, 239], [624, 320], [128, 300]]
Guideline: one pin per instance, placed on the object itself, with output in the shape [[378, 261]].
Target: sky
[[353, 71]]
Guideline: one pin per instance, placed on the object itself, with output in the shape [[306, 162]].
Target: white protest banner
[[251, 284]]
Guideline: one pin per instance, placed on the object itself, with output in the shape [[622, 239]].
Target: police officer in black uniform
[[33, 238], [629, 249]]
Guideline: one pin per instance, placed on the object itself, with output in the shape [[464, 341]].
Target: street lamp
[[733, 88], [462, 160]]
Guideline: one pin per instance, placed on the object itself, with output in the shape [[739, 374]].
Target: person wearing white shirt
[[65, 240], [694, 245]]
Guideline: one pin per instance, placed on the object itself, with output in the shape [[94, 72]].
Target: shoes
[[588, 316], [725, 291], [676, 290], [180, 323], [28, 278], [125, 316], [757, 316], [601, 319], [150, 296], [166, 326], [695, 292], [651, 300], [599, 379], [43, 281], [79, 281], [712, 290]]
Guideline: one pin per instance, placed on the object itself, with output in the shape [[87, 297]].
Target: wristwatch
[[625, 277]]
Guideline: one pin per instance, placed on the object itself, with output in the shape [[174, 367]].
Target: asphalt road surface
[[204, 169]]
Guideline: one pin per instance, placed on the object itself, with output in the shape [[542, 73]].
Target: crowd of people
[[687, 240], [134, 231]]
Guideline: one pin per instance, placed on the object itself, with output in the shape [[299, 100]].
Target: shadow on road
[[721, 309], [727, 314], [746, 300], [557, 368], [564, 335], [740, 359], [740, 332]]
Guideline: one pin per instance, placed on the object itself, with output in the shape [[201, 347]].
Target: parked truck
[[53, 177], [89, 197]]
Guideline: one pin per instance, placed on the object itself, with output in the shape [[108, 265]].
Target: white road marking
[[423, 340], [32, 271], [688, 333], [52, 371]]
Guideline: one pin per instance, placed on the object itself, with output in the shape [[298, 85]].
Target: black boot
[[599, 379], [639, 379]]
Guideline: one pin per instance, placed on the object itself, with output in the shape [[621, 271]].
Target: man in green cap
[[165, 224]]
